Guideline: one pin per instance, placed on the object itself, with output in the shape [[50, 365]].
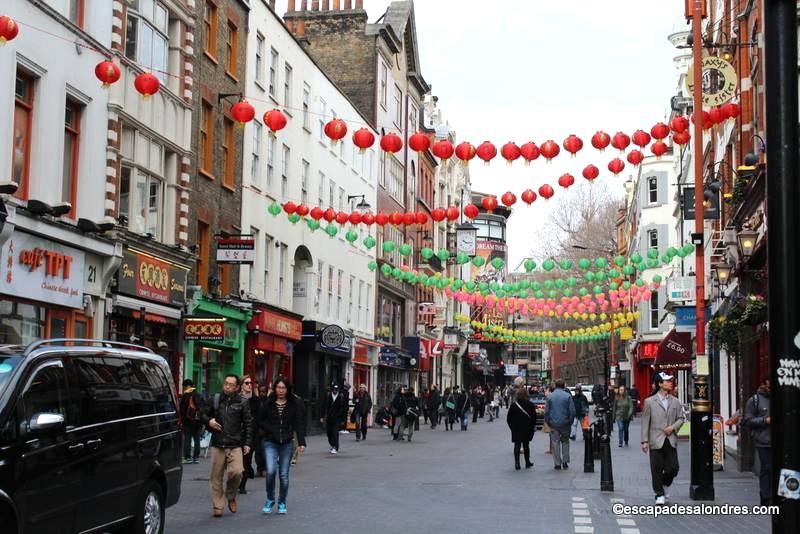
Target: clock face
[[466, 243]]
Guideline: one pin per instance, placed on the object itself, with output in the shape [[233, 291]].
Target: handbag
[[450, 405], [585, 423]]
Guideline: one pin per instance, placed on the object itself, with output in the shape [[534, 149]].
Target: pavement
[[461, 482]]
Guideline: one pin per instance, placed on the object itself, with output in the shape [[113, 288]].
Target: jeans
[[399, 423], [361, 426], [622, 426], [765, 472], [279, 457], [465, 420], [191, 431], [574, 430]]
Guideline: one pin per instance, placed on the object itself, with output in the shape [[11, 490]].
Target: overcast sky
[[526, 70]]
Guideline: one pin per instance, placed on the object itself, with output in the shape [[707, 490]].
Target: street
[[460, 482]]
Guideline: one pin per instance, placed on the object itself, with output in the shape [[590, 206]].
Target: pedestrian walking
[[261, 462], [450, 399], [434, 405], [757, 421], [295, 442], [521, 419], [425, 396], [334, 412], [622, 413], [281, 417], [346, 393], [545, 427], [581, 410], [662, 418], [228, 418], [483, 397], [255, 403], [190, 410], [475, 400], [559, 414], [398, 413], [411, 418], [361, 410], [462, 409]]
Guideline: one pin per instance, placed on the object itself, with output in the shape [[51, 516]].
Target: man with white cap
[[661, 419]]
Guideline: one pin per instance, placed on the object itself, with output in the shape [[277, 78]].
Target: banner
[[236, 249], [204, 329]]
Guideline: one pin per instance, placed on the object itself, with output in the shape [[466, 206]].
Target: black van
[[89, 438]]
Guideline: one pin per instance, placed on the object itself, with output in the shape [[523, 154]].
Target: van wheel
[[149, 511]]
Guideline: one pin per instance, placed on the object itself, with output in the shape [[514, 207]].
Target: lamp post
[[702, 474]]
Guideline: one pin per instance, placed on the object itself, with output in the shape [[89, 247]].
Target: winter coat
[[462, 404], [191, 406], [623, 409], [581, 405], [233, 414], [434, 400], [450, 398], [475, 400], [756, 411], [363, 404], [560, 411], [398, 405], [412, 407], [521, 419], [280, 428], [335, 410]]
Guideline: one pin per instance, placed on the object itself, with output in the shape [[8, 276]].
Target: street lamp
[[722, 273], [363, 205], [747, 241]]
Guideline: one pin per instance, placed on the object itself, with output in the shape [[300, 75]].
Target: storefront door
[[59, 323]]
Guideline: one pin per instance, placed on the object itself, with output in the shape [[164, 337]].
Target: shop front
[[321, 358], [394, 368], [642, 372], [272, 334], [365, 358], [148, 302], [214, 336]]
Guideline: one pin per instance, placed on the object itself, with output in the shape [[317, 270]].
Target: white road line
[[629, 531], [626, 522], [579, 505], [580, 511], [582, 520], [578, 499], [617, 499], [584, 530]]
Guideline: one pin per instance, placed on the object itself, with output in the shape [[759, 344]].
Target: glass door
[[59, 324]]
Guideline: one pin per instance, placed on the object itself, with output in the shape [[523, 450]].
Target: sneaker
[[334, 451], [282, 508], [195, 461], [558, 468], [660, 500], [565, 465], [187, 461], [331, 450], [344, 432], [268, 507], [620, 445]]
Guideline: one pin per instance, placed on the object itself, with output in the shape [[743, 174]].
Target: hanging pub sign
[[710, 212], [332, 336], [238, 249], [719, 81], [204, 329]]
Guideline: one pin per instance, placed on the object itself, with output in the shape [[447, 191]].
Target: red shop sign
[[276, 324]]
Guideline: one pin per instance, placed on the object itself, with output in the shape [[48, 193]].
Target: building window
[[287, 86], [207, 138], [330, 289], [394, 180], [306, 108], [228, 154], [23, 117], [563, 347], [254, 175], [232, 46], [75, 12], [339, 281], [350, 289], [652, 190], [259, 58], [323, 111], [398, 107], [305, 169], [321, 190], [203, 254], [341, 199], [287, 154], [72, 131], [390, 320], [384, 81], [652, 238], [142, 190], [282, 270], [271, 146], [360, 318], [146, 40], [251, 280], [273, 72], [331, 193], [654, 312], [267, 256], [210, 17]]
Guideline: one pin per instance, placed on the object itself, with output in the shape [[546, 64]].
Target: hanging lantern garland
[[243, 112], [107, 72], [8, 29], [147, 84]]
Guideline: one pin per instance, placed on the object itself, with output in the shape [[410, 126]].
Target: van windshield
[[7, 366]]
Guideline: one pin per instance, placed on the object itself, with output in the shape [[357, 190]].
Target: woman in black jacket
[[255, 404], [398, 408], [521, 419], [281, 415]]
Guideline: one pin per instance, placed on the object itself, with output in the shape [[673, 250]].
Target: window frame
[[79, 6], [72, 130], [306, 107], [206, 141], [232, 48], [27, 107], [210, 25], [305, 171], [255, 155], [384, 84], [652, 190], [272, 82], [653, 232], [144, 19], [654, 310], [260, 43], [286, 155], [229, 154], [288, 72]]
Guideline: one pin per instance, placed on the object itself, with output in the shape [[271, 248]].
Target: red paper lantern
[[566, 180], [731, 110], [549, 149], [529, 152], [355, 218], [528, 197], [659, 131], [616, 166], [409, 218], [635, 157], [290, 207], [659, 148], [465, 152], [508, 199], [316, 213], [706, 120], [510, 152], [489, 203], [243, 112], [679, 123], [147, 84], [335, 129], [329, 215], [391, 143], [8, 29], [421, 217], [590, 172], [717, 115], [302, 210], [640, 138], [107, 72], [471, 211], [381, 219], [452, 213], [419, 142], [443, 149], [573, 144], [438, 214], [363, 139], [342, 217], [396, 218], [600, 140], [368, 218], [486, 151], [546, 191], [275, 120], [681, 138], [620, 141]]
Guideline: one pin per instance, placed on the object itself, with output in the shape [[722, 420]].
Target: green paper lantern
[[584, 264], [666, 258], [552, 294], [501, 293], [294, 218], [274, 209], [652, 253], [565, 265], [443, 254], [572, 281], [538, 295], [507, 287], [613, 273], [351, 236], [495, 286], [471, 286], [525, 284], [405, 249], [523, 294], [597, 290], [583, 292], [672, 251], [688, 247], [478, 261], [548, 265], [613, 286], [620, 261], [372, 265], [485, 292], [388, 247], [682, 253], [462, 258], [657, 278], [457, 284], [529, 265], [589, 276], [560, 283], [600, 276], [312, 225], [639, 282], [626, 285], [568, 292], [601, 263], [497, 263], [652, 263], [331, 230], [549, 284], [636, 258], [426, 253], [396, 272], [369, 242], [386, 269], [629, 270], [483, 285]]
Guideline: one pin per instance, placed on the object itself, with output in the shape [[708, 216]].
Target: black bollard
[[606, 472], [588, 451], [598, 432]]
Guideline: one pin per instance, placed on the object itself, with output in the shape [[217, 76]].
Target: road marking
[[580, 511], [629, 531], [582, 520], [579, 505], [617, 499], [578, 499], [626, 522], [584, 530]]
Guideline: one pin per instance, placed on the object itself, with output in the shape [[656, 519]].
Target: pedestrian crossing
[[582, 521]]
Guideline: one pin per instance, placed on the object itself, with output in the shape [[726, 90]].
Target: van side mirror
[[44, 422]]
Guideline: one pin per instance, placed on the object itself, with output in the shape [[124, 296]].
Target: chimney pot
[[303, 5], [272, 5], [326, 5], [290, 8], [348, 4], [301, 29], [290, 25]]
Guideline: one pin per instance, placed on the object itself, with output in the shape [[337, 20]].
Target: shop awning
[[675, 351], [149, 307]]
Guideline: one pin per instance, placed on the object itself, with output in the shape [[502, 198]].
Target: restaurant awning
[[675, 351]]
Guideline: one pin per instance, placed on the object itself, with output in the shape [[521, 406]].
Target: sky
[[530, 70]]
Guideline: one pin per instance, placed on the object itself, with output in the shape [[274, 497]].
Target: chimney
[[272, 5], [326, 5], [359, 4], [348, 4], [314, 5], [337, 5], [303, 5], [290, 25], [300, 32], [291, 7]]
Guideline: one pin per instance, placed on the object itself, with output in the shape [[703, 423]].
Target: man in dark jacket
[[434, 401], [559, 414], [227, 415], [361, 410], [190, 410], [581, 410], [475, 400], [757, 421], [462, 408], [334, 412]]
